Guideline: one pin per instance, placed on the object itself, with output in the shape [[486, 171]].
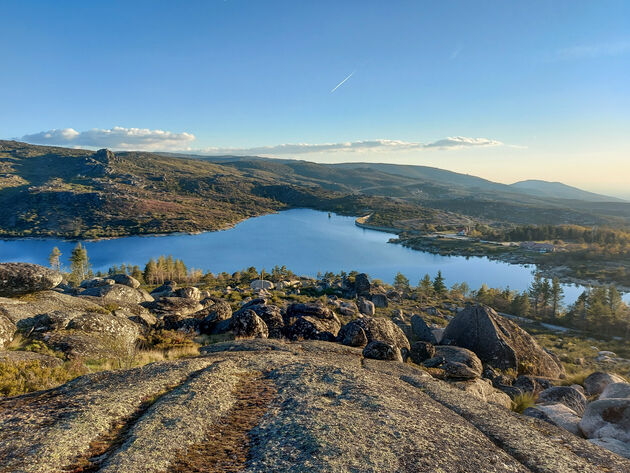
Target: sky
[[504, 90]]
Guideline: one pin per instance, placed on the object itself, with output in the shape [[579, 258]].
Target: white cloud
[[115, 138], [458, 142], [302, 148], [120, 138]]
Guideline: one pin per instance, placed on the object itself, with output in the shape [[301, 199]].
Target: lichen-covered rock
[[352, 335], [311, 321], [280, 407], [165, 290], [483, 389], [557, 414], [313, 328], [362, 285], [366, 307], [18, 356], [349, 309], [421, 351], [500, 342], [212, 315], [189, 292], [248, 325], [378, 350], [96, 282], [380, 329], [595, 383], [125, 280], [17, 309], [24, 278], [531, 384], [607, 418], [272, 316], [616, 391], [7, 331], [566, 395], [456, 362], [174, 306], [118, 293], [614, 445], [380, 300], [421, 330]]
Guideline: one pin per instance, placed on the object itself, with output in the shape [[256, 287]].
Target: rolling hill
[[53, 191]]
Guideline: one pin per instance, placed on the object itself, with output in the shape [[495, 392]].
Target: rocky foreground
[[271, 405], [307, 386]]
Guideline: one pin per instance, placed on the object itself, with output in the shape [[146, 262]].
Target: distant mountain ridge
[[54, 191], [559, 190]]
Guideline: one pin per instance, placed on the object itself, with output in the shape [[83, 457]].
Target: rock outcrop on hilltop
[[319, 396], [270, 405]]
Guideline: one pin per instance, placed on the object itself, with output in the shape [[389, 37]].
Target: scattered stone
[[24, 278], [248, 325], [366, 307], [532, 384], [352, 335], [118, 293], [379, 300], [125, 280], [174, 306], [378, 350], [500, 342], [18, 356], [165, 290], [616, 391], [607, 418], [566, 395], [614, 445], [212, 315], [379, 329], [456, 362], [261, 285], [557, 414], [7, 331], [348, 309], [421, 330], [189, 292], [421, 351], [96, 282], [595, 383], [482, 389], [362, 285]]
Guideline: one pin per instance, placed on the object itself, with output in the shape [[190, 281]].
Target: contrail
[[340, 83]]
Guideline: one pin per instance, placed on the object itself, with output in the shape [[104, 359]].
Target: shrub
[[523, 401]]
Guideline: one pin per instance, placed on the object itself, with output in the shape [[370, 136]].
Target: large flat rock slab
[[270, 405]]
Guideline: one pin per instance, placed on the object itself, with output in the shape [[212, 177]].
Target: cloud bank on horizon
[[143, 139], [115, 138]]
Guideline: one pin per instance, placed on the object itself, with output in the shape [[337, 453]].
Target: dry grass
[[523, 401], [226, 449]]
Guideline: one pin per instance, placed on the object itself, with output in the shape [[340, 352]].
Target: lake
[[305, 241]]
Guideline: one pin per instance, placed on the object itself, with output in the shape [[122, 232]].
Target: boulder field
[[309, 385], [273, 405]]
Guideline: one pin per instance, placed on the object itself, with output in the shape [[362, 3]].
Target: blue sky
[[504, 90]]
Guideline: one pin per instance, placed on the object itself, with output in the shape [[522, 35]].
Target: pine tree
[[79, 263], [151, 272], [401, 283], [55, 259], [556, 297], [438, 284]]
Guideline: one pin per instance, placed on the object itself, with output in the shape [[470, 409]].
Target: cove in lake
[[305, 241]]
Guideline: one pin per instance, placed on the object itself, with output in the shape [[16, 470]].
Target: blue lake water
[[305, 241]]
